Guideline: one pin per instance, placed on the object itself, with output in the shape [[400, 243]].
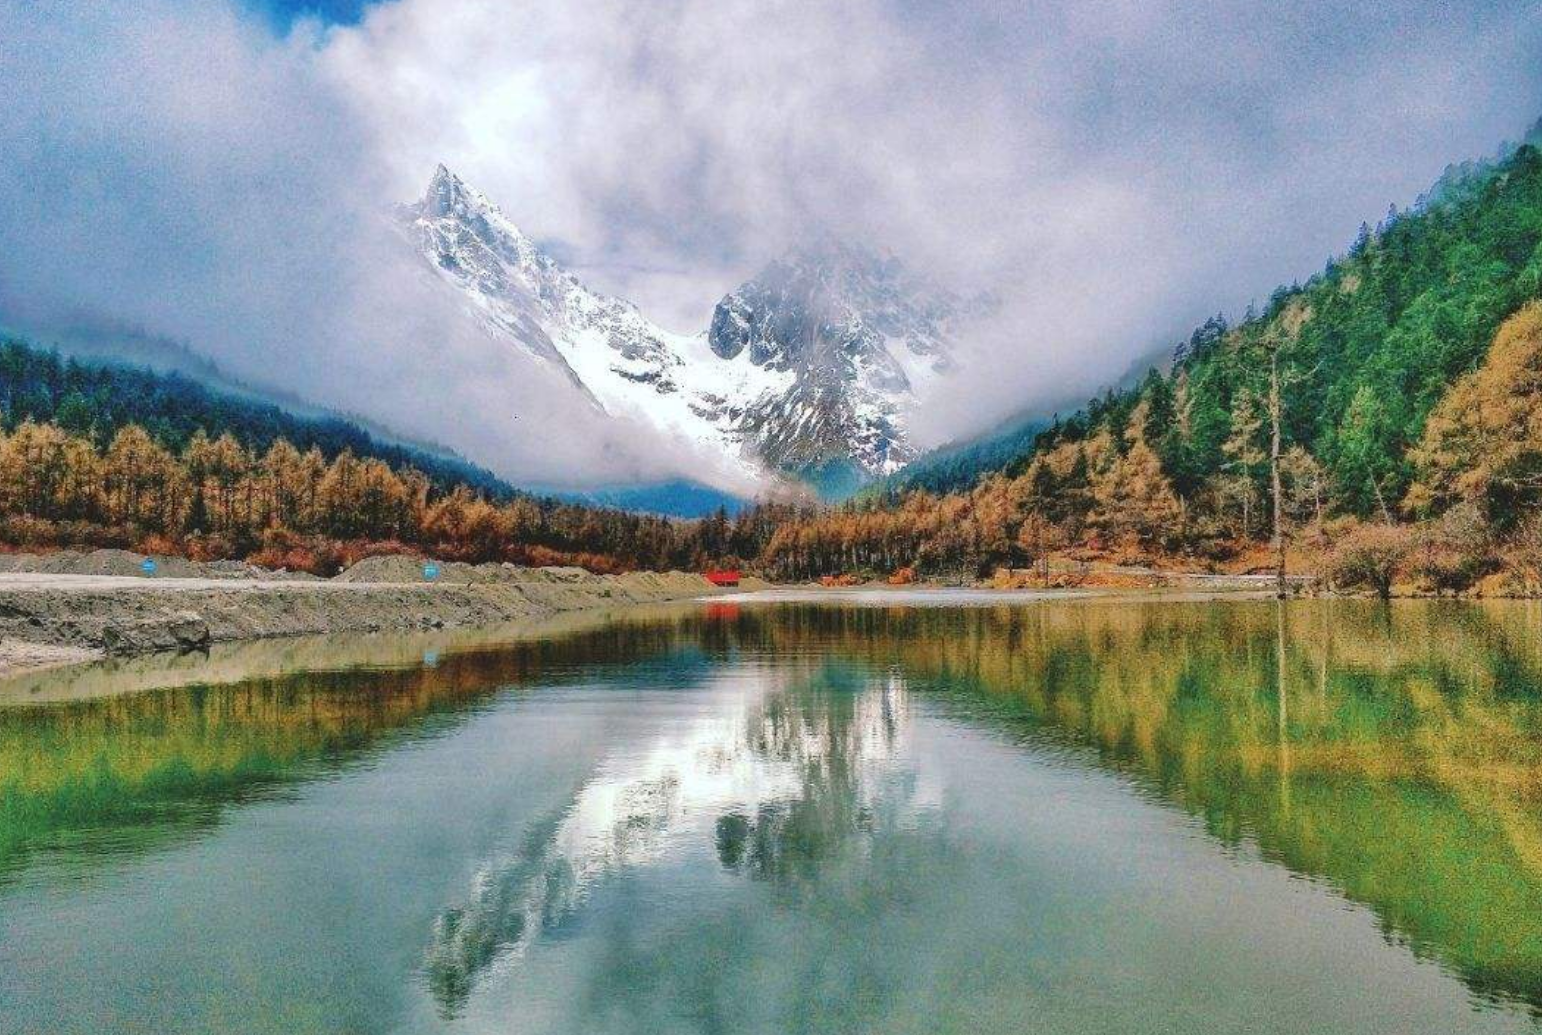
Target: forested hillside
[[98, 455], [1391, 406], [958, 467], [98, 399], [1362, 354]]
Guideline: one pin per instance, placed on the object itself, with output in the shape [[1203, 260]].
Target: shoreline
[[50, 619], [239, 660]]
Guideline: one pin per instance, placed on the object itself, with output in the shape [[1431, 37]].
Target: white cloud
[[1114, 171], [173, 168]]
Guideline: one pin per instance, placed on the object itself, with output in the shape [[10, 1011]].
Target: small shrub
[[29, 531], [1368, 557], [160, 545], [1447, 568], [1453, 553], [1524, 547], [210, 547], [545, 557], [283, 550], [87, 535]]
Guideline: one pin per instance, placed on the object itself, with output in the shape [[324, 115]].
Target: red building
[[723, 578]]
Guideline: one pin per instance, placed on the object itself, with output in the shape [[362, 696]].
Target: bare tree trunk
[[1317, 507], [1381, 501]]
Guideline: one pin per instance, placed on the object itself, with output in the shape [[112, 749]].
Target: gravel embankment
[[64, 606]]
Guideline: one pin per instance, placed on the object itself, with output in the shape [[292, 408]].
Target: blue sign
[[430, 658], [148, 565], [430, 571]]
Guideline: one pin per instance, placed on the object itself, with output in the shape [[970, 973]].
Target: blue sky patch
[[333, 12]]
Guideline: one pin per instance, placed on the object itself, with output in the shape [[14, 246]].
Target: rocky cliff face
[[808, 368], [859, 336]]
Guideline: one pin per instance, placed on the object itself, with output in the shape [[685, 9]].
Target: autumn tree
[[1245, 457], [1037, 538], [143, 484], [1134, 498], [219, 471], [290, 481], [79, 493], [463, 523], [1304, 485], [1483, 442], [35, 471]]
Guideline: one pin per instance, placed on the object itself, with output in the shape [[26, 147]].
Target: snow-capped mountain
[[809, 367], [625, 364], [860, 335]]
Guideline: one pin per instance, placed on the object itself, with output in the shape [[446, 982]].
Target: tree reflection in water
[[1393, 752]]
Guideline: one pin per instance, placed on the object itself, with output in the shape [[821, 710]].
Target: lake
[[1064, 816]]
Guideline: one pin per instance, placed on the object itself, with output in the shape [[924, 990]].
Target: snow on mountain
[[810, 365], [624, 363], [862, 337]]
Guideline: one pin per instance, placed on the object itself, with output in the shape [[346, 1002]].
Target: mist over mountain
[[807, 371], [1104, 173]]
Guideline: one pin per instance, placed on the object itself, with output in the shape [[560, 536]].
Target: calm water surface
[[1063, 817]]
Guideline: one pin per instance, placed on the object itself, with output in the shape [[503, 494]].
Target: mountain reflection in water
[[790, 771]]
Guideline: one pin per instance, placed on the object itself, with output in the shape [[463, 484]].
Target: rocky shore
[[65, 607]]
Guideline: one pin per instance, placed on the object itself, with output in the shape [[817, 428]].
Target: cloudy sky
[[212, 171]]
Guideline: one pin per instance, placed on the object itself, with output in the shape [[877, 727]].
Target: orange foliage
[[1483, 443], [218, 499]]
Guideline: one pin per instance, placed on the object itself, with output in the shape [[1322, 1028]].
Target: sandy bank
[[71, 607], [241, 660]]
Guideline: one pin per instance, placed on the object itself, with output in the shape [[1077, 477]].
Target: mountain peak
[[443, 182], [454, 209], [448, 195], [835, 338]]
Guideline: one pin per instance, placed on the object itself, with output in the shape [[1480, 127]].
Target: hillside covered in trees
[[284, 507], [1385, 416], [99, 398], [1404, 381], [959, 466], [100, 455]]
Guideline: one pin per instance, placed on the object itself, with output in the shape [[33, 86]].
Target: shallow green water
[[1072, 816]]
